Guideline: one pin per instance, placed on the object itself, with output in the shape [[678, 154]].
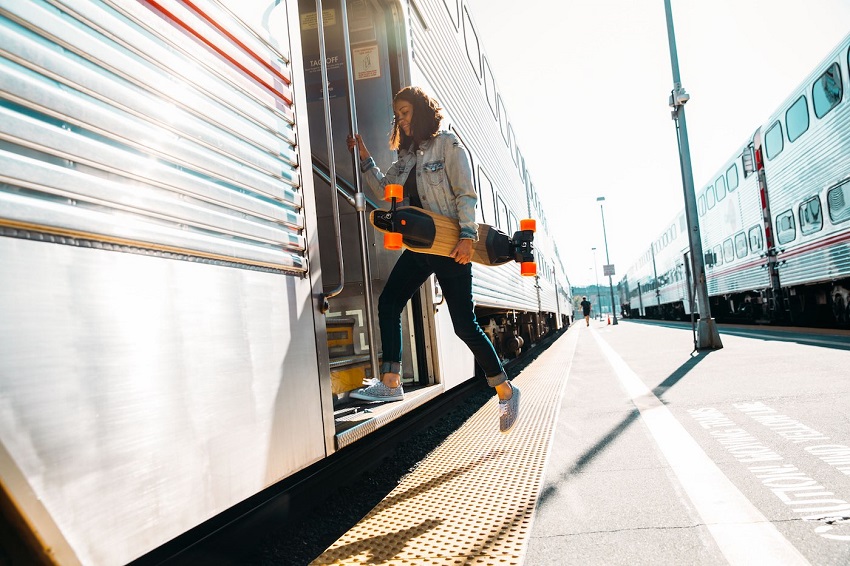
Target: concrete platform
[[633, 449], [666, 456]]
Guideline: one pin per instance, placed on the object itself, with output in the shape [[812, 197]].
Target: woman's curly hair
[[426, 118]]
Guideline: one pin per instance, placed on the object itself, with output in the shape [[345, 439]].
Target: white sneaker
[[378, 392], [509, 410]]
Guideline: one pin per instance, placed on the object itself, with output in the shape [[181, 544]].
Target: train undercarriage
[[513, 332], [824, 305]]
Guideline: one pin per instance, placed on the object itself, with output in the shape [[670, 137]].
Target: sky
[[586, 82]]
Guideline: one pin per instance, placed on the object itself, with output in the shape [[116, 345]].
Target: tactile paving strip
[[471, 501]]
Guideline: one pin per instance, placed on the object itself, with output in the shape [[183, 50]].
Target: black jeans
[[409, 273]]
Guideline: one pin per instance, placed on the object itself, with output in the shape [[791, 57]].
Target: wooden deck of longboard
[[447, 237], [427, 232]]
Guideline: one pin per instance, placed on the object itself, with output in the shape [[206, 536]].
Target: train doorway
[[376, 45]]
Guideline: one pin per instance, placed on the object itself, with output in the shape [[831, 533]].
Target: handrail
[[360, 198], [320, 24], [343, 187]]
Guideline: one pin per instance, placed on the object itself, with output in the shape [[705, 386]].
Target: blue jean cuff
[[391, 367], [497, 379]]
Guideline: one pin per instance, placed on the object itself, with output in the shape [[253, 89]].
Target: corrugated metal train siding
[[824, 149], [121, 127], [739, 211], [439, 48]]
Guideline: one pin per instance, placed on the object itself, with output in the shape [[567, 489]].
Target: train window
[[728, 250], [511, 143], [720, 188], [452, 8], [490, 88], [485, 191], [501, 214], [718, 255], [774, 143], [503, 118], [520, 163], [732, 177], [786, 228], [701, 205], [797, 119], [479, 211], [827, 91], [756, 241], [811, 216], [473, 51], [709, 197], [740, 245], [838, 202]]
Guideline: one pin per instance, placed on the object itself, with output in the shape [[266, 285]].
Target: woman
[[434, 169]]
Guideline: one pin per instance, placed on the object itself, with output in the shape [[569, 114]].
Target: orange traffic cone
[[609, 319]]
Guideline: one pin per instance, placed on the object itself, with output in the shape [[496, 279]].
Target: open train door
[[364, 47]]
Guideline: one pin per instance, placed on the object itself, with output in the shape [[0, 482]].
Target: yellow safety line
[[472, 500]]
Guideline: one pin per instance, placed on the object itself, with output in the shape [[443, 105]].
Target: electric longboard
[[424, 231]]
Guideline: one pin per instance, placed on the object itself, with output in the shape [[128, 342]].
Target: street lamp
[[600, 200], [707, 336], [596, 271]]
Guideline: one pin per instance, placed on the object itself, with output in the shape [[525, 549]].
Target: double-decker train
[[187, 281], [774, 220]]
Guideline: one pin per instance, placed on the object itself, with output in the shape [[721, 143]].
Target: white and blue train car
[[732, 228], [775, 219], [158, 336], [656, 286], [177, 332], [804, 148]]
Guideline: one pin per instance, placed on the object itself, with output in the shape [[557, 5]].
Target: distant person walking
[[585, 307]]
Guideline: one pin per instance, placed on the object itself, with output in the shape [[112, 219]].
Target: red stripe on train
[[173, 17], [234, 39], [830, 241], [812, 246]]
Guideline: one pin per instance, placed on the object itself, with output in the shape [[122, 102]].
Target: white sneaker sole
[[361, 397]]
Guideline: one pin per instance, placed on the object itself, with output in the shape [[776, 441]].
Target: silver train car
[[181, 319], [773, 220]]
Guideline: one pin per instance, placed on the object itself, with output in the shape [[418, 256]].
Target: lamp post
[[596, 271], [600, 200], [707, 335]]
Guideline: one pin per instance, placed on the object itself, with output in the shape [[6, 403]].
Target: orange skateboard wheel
[[392, 240], [393, 191], [528, 224], [528, 268]]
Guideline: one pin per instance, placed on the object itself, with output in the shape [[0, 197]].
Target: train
[[773, 221], [188, 284]]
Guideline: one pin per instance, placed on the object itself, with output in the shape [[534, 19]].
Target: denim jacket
[[443, 177]]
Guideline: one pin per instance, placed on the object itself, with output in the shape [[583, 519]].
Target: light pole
[[596, 271], [707, 335], [600, 200]]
